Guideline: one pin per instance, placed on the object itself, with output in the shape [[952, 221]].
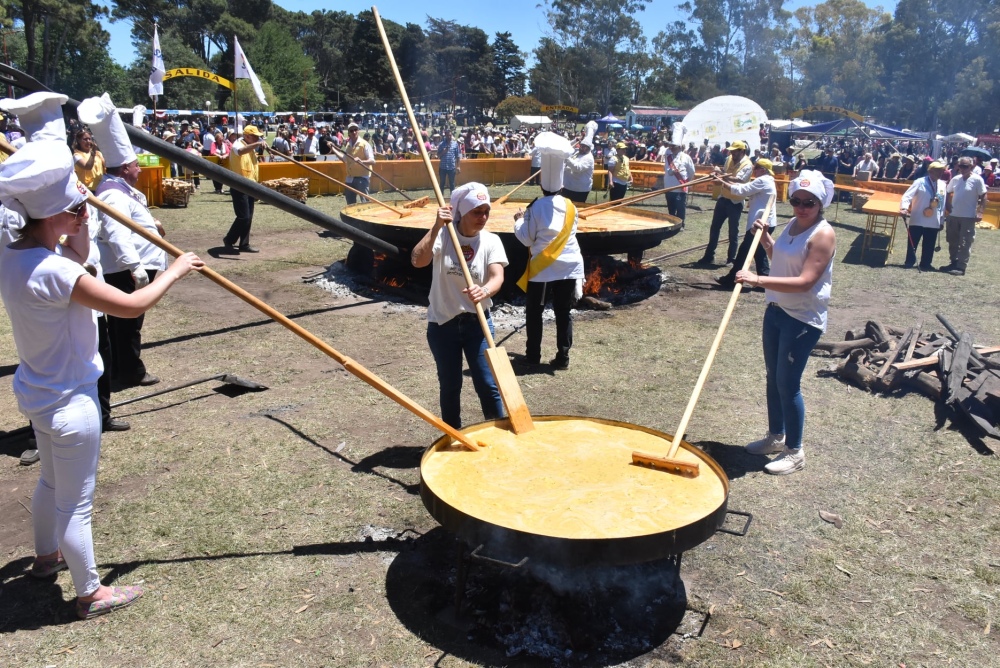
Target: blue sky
[[524, 19]]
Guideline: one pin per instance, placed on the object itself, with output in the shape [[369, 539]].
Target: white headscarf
[[467, 197], [815, 183]]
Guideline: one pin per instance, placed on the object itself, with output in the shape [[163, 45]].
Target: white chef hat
[[554, 150], [39, 181], [467, 197], [108, 129], [588, 138], [138, 115], [814, 182], [39, 115]]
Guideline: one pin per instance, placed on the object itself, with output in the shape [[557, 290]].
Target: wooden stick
[[503, 373], [348, 363], [913, 342], [669, 463], [639, 198], [399, 212], [507, 196], [614, 202], [345, 154]]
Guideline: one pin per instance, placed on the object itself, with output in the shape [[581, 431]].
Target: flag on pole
[[244, 71], [156, 74]]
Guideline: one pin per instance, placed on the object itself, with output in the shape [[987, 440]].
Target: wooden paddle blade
[[404, 214], [417, 203], [510, 391], [676, 466]]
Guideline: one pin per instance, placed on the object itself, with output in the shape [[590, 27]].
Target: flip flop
[[42, 569]]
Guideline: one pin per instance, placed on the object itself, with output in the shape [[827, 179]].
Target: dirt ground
[[285, 527]]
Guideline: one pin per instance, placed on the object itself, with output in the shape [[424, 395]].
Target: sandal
[[46, 568], [120, 598]]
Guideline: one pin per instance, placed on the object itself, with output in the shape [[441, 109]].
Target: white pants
[[69, 445]]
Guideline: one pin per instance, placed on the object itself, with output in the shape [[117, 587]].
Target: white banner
[[158, 70], [244, 71]]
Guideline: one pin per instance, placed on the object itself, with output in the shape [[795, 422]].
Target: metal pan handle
[[746, 527], [476, 554]]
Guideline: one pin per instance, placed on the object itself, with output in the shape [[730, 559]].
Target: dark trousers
[[561, 294], [104, 382], [575, 196], [759, 257], [618, 190], [463, 335], [239, 231], [677, 204], [725, 210], [929, 236], [125, 334]]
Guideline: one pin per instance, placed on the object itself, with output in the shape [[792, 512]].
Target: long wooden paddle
[[600, 205], [420, 202], [398, 212], [503, 199], [593, 211], [503, 372], [669, 463]]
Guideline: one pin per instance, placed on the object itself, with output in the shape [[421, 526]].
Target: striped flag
[[158, 70], [244, 71]]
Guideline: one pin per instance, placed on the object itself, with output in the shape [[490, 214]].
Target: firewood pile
[[296, 189], [177, 192], [945, 367]]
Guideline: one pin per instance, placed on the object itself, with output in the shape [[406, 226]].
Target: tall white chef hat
[[588, 138], [815, 183], [108, 129], [138, 115], [39, 115], [554, 150], [39, 181]]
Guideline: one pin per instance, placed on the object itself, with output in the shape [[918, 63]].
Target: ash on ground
[[622, 284]]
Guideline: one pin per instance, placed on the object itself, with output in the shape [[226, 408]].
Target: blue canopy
[[849, 126]]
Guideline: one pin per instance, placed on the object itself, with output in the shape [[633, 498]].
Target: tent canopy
[[849, 126], [529, 121], [958, 137]]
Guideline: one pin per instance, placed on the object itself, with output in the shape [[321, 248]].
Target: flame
[[393, 281]]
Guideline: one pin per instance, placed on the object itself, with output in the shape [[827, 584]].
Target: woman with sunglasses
[[452, 323], [797, 293], [51, 301], [89, 162]]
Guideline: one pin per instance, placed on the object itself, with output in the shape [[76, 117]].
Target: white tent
[[793, 124], [725, 118], [530, 122], [958, 137]]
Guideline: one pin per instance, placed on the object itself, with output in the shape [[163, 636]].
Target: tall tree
[[58, 31], [278, 58], [508, 62]]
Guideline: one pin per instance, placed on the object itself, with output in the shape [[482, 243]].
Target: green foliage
[[517, 106], [278, 58]]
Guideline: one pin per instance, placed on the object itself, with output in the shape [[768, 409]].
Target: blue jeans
[[729, 211], [677, 204], [787, 344], [447, 176], [360, 183], [447, 342]]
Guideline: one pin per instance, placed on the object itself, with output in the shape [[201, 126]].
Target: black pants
[[929, 236], [618, 190], [561, 294], [759, 257], [725, 210], [104, 382], [239, 231], [575, 196], [125, 334]]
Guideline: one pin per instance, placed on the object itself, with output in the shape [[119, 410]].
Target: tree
[[517, 106], [278, 58], [508, 62], [58, 32]]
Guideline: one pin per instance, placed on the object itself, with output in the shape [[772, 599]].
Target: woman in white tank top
[[797, 293]]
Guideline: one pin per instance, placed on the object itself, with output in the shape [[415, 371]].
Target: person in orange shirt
[[89, 162]]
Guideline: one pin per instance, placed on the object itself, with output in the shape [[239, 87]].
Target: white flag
[[244, 71], [156, 74]]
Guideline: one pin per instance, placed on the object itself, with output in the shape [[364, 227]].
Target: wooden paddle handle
[[703, 376], [638, 198], [348, 363], [345, 154], [507, 196], [430, 172]]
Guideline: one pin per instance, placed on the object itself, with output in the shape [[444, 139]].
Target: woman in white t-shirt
[[452, 324], [51, 301]]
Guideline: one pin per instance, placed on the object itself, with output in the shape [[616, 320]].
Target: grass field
[[283, 528]]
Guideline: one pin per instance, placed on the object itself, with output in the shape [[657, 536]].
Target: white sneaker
[[768, 445], [789, 461]]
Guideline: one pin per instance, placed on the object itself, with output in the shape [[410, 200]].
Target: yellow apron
[[539, 263]]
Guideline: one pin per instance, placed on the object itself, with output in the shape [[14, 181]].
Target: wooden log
[[958, 368], [894, 352], [856, 372], [924, 383], [913, 341], [917, 363], [844, 346], [876, 331], [989, 364], [852, 334]]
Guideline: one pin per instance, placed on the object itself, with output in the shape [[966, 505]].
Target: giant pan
[[566, 493], [626, 230]]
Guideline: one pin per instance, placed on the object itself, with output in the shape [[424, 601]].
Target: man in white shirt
[[759, 190], [678, 169], [966, 200], [311, 148]]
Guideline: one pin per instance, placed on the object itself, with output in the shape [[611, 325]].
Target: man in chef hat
[[555, 268], [578, 175], [129, 261]]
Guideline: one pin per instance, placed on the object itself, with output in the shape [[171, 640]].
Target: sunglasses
[[804, 203], [78, 210], [965, 166]]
